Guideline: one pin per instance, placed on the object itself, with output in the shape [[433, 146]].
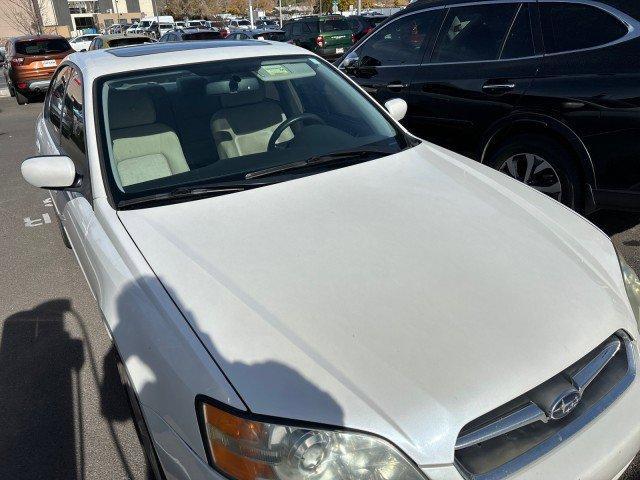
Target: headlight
[[632, 285], [245, 449]]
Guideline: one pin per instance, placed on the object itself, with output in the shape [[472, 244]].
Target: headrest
[[237, 91], [130, 108], [192, 85]]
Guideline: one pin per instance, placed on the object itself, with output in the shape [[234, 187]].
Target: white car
[[301, 290], [239, 24], [81, 43]]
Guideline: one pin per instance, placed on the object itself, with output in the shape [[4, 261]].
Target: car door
[[484, 60], [78, 216], [385, 63], [589, 79]]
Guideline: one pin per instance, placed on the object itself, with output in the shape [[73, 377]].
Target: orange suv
[[30, 63]]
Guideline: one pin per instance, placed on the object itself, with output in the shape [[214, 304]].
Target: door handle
[[498, 87], [397, 86]]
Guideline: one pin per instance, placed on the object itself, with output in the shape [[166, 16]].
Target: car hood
[[404, 296]]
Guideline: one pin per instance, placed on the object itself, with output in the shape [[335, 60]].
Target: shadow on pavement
[[42, 427], [39, 371]]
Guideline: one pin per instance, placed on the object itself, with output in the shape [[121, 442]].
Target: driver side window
[[401, 42], [54, 101]]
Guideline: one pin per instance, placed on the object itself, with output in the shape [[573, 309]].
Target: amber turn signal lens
[[233, 443]]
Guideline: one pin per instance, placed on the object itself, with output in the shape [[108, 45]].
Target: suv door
[[385, 63], [483, 61], [589, 78]]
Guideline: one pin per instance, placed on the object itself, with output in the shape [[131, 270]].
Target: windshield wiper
[[319, 160], [191, 191]]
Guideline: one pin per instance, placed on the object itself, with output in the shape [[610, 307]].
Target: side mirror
[[52, 172], [397, 108]]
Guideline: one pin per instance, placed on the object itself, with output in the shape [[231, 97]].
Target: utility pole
[[251, 13], [320, 6], [37, 16], [359, 6], [155, 8], [280, 11]]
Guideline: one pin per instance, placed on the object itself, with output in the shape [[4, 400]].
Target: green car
[[328, 36]]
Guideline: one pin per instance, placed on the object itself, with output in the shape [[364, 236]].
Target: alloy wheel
[[535, 171]]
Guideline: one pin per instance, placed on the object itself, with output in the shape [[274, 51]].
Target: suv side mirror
[[397, 108], [53, 172]]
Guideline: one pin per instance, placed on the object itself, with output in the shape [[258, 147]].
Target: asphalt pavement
[[63, 412]]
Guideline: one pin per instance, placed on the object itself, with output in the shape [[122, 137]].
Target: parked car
[[545, 102], [273, 35], [156, 26], [267, 24], [133, 28], [239, 24], [122, 40], [118, 28], [328, 36], [196, 24], [180, 24], [82, 42], [188, 34], [362, 25], [282, 305], [30, 61]]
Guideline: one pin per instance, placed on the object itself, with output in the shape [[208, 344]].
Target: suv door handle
[[498, 87], [397, 86]]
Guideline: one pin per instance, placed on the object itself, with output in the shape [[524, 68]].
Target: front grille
[[519, 432]]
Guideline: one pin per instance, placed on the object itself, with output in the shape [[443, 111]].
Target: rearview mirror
[[397, 108], [52, 172]]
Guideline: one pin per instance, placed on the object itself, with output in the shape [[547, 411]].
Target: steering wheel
[[303, 117]]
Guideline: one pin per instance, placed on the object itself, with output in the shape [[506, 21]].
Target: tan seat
[[247, 119], [143, 149]]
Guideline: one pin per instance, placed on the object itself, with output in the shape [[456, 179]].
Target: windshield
[[274, 36], [42, 47], [335, 25], [244, 22], [220, 121]]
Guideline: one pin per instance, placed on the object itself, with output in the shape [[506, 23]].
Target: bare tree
[[24, 15]]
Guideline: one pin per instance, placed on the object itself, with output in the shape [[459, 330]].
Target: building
[[71, 17]]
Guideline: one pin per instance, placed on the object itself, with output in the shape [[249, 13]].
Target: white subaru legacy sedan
[[299, 289]]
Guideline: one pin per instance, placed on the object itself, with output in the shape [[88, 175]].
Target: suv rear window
[[202, 36], [42, 47], [334, 25], [574, 26], [121, 42]]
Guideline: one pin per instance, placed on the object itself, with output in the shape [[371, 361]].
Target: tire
[[542, 163], [21, 99], [140, 424]]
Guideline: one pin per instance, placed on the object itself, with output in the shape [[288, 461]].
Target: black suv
[[545, 91], [362, 25]]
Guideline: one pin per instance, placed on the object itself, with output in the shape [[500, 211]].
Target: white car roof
[[98, 63]]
